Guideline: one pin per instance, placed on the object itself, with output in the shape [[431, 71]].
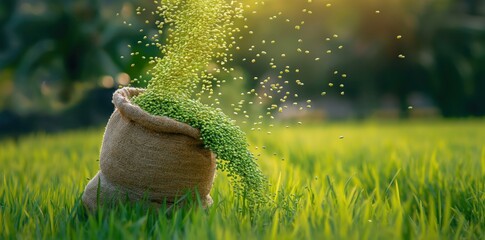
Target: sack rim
[[122, 101]]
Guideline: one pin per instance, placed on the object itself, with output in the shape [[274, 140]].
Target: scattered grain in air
[[335, 72], [410, 107], [342, 93], [341, 85], [323, 93], [341, 137], [340, 47], [201, 29], [377, 11], [328, 5], [317, 59], [344, 75], [330, 84], [399, 36], [401, 56]]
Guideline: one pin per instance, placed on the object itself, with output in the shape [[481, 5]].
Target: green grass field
[[401, 180]]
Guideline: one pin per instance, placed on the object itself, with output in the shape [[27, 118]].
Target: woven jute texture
[[149, 157]]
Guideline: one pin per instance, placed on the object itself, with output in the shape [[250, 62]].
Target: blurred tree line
[[65, 57], [424, 54], [60, 60], [444, 45]]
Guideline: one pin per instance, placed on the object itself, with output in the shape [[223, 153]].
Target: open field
[[402, 180]]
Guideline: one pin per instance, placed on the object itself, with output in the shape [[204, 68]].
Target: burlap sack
[[150, 157]]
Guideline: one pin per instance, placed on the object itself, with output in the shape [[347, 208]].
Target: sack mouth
[[122, 101]]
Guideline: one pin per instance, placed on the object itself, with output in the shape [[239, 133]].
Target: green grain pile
[[198, 33]]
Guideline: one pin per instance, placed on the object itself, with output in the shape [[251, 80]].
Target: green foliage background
[[53, 51]]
